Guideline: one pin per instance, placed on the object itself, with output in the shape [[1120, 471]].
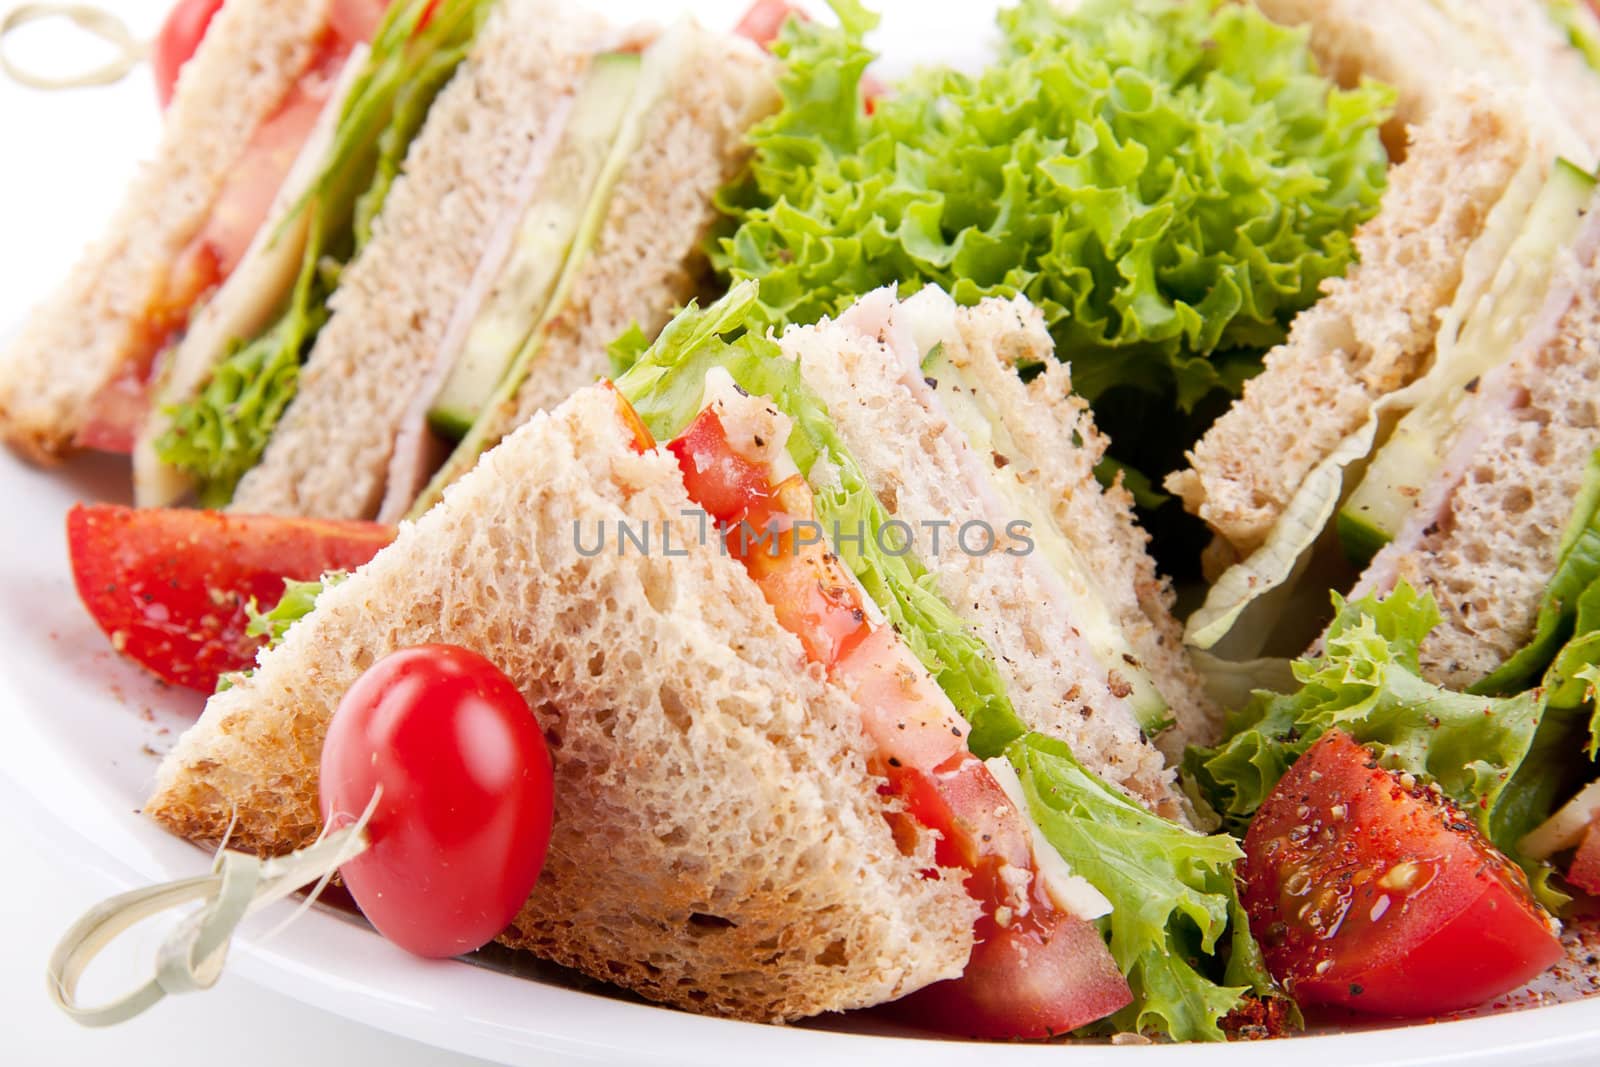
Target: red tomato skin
[[177, 42], [1585, 870], [1013, 982], [1371, 895], [169, 586], [765, 19], [461, 829], [726, 484]]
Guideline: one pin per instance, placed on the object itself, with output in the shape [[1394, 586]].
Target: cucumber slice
[[1359, 538], [1408, 461], [653, 86], [544, 239]]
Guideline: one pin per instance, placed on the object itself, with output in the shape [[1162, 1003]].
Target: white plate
[[84, 731]]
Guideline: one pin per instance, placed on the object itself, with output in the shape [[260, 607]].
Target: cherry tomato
[[462, 824], [1372, 893], [1585, 870], [178, 41], [169, 586]]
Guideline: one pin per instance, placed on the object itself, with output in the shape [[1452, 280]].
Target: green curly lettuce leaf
[[1168, 182], [297, 601], [1368, 683], [295, 604], [1172, 892], [665, 385], [221, 433]]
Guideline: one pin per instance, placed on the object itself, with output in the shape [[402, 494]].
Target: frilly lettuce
[[1168, 182], [297, 601], [222, 432], [1172, 893]]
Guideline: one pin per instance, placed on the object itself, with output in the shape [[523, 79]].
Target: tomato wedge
[[1370, 892], [1037, 970], [169, 586]]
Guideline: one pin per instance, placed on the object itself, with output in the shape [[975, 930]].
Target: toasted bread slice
[[92, 330], [719, 844], [1373, 330], [921, 468]]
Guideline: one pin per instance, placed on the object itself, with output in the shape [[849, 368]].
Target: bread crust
[[719, 844], [83, 336]]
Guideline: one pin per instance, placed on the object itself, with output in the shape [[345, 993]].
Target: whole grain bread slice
[[1373, 330], [93, 328], [719, 844], [328, 455]]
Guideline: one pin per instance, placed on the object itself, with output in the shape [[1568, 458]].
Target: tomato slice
[[462, 822], [169, 587], [1037, 970], [177, 42], [1370, 892], [354, 21]]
